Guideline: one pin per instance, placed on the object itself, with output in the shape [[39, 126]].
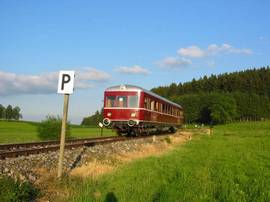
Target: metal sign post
[[65, 86]]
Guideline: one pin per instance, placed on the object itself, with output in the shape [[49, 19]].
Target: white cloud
[[11, 83], [212, 49], [92, 74], [174, 62], [136, 69], [191, 51], [227, 49]]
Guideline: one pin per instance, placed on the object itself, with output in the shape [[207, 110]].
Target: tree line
[[243, 95], [93, 120], [9, 112]]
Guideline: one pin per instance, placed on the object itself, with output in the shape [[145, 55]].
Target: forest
[[9, 112], [223, 98]]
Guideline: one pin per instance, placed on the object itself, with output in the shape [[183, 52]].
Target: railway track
[[24, 149]]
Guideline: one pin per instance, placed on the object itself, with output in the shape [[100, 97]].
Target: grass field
[[11, 132], [231, 165]]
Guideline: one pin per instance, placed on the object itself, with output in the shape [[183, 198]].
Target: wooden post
[[63, 134], [101, 128]]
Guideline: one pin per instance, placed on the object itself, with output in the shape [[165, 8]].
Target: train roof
[[139, 89]]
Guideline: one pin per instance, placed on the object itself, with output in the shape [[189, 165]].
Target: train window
[[145, 103], [133, 101], [156, 106], [152, 105], [149, 103], [121, 101], [110, 101]]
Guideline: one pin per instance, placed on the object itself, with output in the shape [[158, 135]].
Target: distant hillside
[[223, 98], [249, 81]]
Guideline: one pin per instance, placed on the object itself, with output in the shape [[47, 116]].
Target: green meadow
[[231, 165], [20, 131]]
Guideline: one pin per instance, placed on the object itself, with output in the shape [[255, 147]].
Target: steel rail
[[7, 147], [54, 145], [69, 145]]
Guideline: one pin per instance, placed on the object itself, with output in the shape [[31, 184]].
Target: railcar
[[131, 110]]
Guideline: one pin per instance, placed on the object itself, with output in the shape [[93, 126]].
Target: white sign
[[100, 124], [66, 82]]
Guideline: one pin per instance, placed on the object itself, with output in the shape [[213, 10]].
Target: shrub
[[50, 128], [208, 108], [93, 120], [11, 190]]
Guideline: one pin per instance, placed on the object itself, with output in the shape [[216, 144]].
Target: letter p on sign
[[66, 82]]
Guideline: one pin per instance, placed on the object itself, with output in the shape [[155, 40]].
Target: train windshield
[[122, 101]]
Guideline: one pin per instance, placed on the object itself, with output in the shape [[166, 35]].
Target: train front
[[121, 109]]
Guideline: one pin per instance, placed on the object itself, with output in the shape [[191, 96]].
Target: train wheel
[[121, 133], [172, 130], [132, 132]]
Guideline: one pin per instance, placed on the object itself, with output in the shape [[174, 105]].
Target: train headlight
[[109, 114], [106, 122], [133, 114], [131, 123]]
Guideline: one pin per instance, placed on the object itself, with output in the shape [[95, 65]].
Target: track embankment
[[90, 160]]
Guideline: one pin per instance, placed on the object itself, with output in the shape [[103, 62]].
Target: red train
[[132, 110]]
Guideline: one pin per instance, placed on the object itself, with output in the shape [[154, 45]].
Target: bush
[[208, 108], [93, 120], [50, 128], [11, 190]]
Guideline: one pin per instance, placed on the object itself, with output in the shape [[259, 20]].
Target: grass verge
[[231, 165], [20, 131]]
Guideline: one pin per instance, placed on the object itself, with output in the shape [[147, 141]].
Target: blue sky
[[145, 43]]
